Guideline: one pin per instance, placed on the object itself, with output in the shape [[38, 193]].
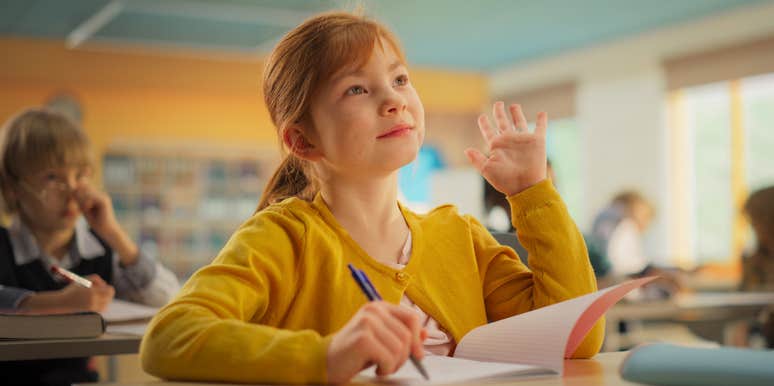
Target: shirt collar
[[26, 249]]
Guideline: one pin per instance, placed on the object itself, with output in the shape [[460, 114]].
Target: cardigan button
[[401, 276]]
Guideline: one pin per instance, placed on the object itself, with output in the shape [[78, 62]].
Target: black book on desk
[[51, 326]]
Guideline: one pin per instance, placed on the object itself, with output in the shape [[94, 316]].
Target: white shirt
[[145, 281], [624, 249], [438, 342]]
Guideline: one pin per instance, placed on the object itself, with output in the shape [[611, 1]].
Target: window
[[563, 140], [729, 138]]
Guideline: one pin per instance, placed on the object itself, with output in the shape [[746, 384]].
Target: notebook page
[[122, 311], [540, 337], [446, 370], [597, 309]]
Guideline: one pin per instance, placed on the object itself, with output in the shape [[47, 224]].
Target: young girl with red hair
[[278, 304]]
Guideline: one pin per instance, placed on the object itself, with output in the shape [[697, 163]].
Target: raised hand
[[380, 333], [516, 158]]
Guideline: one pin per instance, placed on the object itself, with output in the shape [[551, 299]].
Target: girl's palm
[[517, 158]]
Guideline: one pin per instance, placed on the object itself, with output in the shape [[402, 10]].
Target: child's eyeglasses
[[51, 188]]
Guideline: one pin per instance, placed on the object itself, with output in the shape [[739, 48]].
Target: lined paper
[[447, 370]]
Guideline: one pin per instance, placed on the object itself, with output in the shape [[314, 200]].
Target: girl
[[278, 304], [45, 170]]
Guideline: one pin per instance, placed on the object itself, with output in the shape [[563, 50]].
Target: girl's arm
[[226, 324], [559, 268], [216, 328], [559, 265]]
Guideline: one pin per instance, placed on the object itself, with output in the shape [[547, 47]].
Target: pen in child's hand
[[71, 276], [370, 291]]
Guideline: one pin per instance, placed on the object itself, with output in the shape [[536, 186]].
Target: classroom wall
[[621, 104], [138, 95]]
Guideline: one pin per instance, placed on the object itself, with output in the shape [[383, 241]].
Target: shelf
[[182, 206]]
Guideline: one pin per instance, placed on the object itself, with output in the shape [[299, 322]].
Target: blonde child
[[45, 171], [278, 304]]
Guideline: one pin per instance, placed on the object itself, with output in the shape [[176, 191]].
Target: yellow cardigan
[[265, 310]]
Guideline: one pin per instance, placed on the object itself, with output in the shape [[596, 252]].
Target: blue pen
[[370, 291]]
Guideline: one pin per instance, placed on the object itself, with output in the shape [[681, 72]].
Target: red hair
[[306, 58]]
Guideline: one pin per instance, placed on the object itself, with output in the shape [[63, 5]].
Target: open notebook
[[120, 311], [534, 342]]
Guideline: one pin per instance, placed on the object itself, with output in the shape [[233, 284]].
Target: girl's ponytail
[[291, 179]]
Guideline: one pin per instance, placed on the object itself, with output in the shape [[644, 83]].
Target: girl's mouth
[[396, 131]]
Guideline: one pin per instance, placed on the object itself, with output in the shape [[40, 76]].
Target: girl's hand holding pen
[[379, 333], [516, 158], [78, 298]]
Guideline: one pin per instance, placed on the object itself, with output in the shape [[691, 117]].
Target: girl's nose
[[393, 103]]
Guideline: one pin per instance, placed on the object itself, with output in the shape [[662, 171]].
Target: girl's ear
[[8, 198], [299, 144]]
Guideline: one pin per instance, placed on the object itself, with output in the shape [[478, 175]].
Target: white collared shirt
[[145, 281]]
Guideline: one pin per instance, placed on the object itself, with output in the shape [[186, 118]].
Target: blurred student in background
[[758, 266], [618, 229], [617, 232], [45, 176]]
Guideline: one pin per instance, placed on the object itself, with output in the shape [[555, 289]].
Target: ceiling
[[454, 34]]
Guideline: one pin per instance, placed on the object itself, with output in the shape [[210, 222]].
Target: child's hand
[[96, 298], [380, 333], [97, 209], [517, 158]]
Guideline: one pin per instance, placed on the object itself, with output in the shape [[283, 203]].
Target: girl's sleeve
[[213, 330], [559, 267]]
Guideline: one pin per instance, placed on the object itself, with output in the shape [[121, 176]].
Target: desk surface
[[106, 344], [737, 304], [602, 370], [720, 308]]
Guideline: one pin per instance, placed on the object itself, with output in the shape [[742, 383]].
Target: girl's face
[[368, 121], [45, 198]]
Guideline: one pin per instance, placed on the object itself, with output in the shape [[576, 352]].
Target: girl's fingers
[[379, 354], [476, 158], [501, 118], [410, 320], [519, 120], [396, 338], [542, 124], [486, 128]]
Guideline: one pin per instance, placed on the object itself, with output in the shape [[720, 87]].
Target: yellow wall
[[154, 98]]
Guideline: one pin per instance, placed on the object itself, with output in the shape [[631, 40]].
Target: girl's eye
[[355, 90], [401, 80]]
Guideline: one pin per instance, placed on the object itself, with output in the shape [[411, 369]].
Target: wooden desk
[[721, 307], [602, 370]]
